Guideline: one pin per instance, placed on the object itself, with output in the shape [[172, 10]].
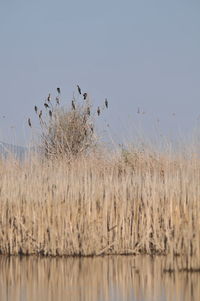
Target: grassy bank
[[132, 203]]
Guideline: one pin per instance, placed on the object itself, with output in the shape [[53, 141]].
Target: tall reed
[[135, 203]]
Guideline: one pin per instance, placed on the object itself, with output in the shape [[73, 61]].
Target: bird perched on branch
[[58, 90], [50, 113], [36, 109], [46, 105], [84, 96], [49, 97], [73, 105], [40, 114], [57, 100], [106, 103], [88, 110], [98, 111], [79, 89], [29, 123]]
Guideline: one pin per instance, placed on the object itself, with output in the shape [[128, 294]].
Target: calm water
[[113, 278]]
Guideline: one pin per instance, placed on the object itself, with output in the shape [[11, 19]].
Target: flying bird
[[29, 123], [106, 103], [58, 89], [73, 105], [98, 111], [36, 109], [79, 89], [84, 96]]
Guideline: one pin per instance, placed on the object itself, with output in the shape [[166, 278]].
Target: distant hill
[[6, 150]]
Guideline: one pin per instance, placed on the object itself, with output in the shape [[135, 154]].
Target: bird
[[50, 113], [58, 89], [36, 109], [49, 97], [98, 111], [84, 96], [79, 89], [40, 114], [88, 110], [57, 100], [106, 103], [73, 105], [92, 129], [29, 123], [46, 105]]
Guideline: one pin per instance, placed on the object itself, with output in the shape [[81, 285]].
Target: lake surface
[[114, 278]]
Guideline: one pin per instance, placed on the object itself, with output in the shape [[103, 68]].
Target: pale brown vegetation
[[68, 133], [67, 128], [134, 203]]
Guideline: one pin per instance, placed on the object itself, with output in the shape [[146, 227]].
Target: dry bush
[[67, 131]]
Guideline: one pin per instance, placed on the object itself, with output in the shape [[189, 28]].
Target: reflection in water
[[104, 278]]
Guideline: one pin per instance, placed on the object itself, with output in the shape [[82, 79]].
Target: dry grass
[[137, 203]]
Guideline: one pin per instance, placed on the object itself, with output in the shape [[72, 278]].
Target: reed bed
[[131, 203]]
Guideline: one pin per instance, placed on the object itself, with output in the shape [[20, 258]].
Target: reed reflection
[[102, 278]]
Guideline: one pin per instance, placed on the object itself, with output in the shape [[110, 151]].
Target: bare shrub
[[68, 133], [67, 130]]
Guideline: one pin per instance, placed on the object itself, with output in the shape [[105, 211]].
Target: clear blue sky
[[136, 53]]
